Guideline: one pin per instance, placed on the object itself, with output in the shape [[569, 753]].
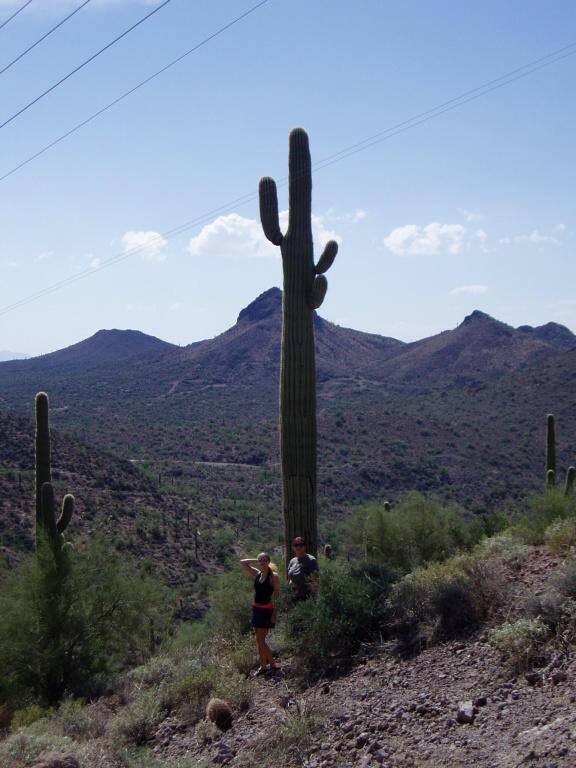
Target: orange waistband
[[260, 605]]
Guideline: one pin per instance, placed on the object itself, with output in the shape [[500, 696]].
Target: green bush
[[180, 681], [543, 510], [230, 600], [77, 721], [72, 638], [560, 537], [418, 530], [448, 599], [521, 643], [25, 717], [349, 609]]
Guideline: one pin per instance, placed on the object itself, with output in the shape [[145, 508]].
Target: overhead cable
[[457, 101], [81, 66], [9, 19], [54, 28], [132, 90]]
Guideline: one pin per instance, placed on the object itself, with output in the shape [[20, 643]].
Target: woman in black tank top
[[266, 591]]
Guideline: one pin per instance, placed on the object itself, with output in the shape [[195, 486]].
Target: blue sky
[[473, 209]]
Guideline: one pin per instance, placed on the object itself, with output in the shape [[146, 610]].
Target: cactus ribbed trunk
[[298, 367], [42, 450], [304, 291]]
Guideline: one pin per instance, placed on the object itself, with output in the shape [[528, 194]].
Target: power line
[[457, 101], [21, 55], [447, 106], [132, 90], [81, 66], [9, 19]]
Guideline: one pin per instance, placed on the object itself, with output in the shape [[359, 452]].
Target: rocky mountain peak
[[266, 305], [552, 333], [477, 317]]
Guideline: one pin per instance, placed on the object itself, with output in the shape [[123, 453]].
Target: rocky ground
[[454, 704]]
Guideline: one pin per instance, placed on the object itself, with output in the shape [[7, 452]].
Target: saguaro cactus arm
[[269, 210], [66, 514], [327, 259], [318, 292]]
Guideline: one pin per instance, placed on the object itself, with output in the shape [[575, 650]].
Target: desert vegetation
[[401, 579]]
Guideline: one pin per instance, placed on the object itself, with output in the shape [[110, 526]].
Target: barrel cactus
[[305, 286]]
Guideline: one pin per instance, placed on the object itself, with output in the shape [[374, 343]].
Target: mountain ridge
[[391, 415]]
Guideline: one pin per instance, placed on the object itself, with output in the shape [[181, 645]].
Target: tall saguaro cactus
[[48, 529], [304, 289]]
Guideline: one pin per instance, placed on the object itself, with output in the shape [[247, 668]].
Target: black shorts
[[261, 617]]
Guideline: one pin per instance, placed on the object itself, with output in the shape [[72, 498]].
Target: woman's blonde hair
[[273, 567]]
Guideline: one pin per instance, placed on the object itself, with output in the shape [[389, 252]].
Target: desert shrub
[[560, 537], [179, 681], [25, 717], [505, 547], [26, 743], [553, 609], [230, 599], [74, 719], [521, 643], [418, 530], [565, 580], [73, 639], [290, 739], [543, 510], [445, 600], [349, 608], [136, 722], [456, 608]]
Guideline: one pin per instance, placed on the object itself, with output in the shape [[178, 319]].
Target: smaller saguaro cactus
[[551, 460], [570, 477], [48, 529], [550, 452]]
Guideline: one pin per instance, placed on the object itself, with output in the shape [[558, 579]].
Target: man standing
[[303, 573]]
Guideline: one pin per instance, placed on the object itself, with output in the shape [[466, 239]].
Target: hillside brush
[[305, 287]]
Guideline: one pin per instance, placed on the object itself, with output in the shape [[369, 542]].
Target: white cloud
[[95, 262], [431, 240], [148, 244], [535, 238], [347, 218], [236, 236], [231, 235], [44, 256], [473, 290], [482, 237], [471, 215]]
